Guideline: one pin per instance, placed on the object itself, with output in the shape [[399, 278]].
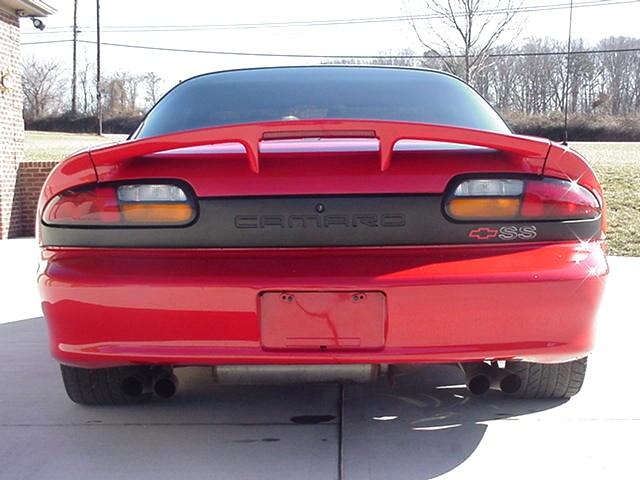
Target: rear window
[[371, 93]]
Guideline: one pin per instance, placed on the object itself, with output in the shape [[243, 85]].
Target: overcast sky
[[590, 23]]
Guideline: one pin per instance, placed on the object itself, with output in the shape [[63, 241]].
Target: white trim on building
[[27, 8]]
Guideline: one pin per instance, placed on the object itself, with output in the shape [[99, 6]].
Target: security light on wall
[[37, 23]]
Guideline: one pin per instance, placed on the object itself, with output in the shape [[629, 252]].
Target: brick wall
[[11, 124], [29, 181]]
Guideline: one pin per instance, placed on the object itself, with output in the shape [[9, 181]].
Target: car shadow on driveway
[[422, 426]]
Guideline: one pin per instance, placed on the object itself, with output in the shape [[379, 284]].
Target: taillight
[[486, 199], [124, 205], [558, 200]]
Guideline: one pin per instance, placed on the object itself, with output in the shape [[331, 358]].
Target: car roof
[[328, 66]]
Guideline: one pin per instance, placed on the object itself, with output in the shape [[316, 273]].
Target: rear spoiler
[[250, 135]]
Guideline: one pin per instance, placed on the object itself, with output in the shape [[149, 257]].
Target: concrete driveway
[[424, 426]]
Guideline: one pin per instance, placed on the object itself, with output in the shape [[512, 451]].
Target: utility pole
[[98, 87], [566, 80], [75, 42]]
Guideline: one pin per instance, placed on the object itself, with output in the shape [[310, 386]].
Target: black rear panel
[[321, 221]]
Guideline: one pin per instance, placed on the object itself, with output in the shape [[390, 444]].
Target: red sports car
[[321, 224]]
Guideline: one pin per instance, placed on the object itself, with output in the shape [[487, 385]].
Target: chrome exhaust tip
[[477, 377], [505, 381], [165, 384]]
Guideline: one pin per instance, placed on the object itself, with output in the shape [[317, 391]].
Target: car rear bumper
[[109, 307]]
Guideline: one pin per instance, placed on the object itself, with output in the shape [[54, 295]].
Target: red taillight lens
[[83, 207], [557, 199], [494, 199], [126, 205]]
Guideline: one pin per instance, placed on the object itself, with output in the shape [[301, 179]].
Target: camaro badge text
[[389, 220]]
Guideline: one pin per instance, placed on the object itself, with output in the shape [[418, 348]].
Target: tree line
[[472, 39], [597, 83], [531, 78], [45, 86], [591, 83]]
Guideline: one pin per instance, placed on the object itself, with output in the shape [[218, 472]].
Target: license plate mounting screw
[[286, 297]]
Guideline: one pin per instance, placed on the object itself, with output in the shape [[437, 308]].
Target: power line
[[47, 42], [331, 22], [313, 23], [342, 57]]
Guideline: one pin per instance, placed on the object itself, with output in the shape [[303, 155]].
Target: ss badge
[[506, 233]]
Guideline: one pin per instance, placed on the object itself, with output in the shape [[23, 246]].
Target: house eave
[[27, 8]]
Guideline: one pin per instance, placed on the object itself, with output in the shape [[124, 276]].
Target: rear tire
[[107, 386], [560, 380]]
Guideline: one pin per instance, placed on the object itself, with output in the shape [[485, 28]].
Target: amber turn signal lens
[[127, 205], [157, 213], [501, 199], [482, 208]]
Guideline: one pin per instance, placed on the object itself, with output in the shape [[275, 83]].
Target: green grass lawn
[[618, 168], [44, 146], [616, 164]]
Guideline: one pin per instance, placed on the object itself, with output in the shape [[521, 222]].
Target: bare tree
[[461, 33], [405, 57], [397, 58], [86, 80], [114, 95], [530, 77], [42, 87], [131, 87], [620, 71], [583, 75], [152, 83], [120, 94]]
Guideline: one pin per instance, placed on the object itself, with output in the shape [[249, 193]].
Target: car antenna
[[566, 80]]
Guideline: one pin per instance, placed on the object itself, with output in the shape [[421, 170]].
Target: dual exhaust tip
[[162, 382], [481, 377]]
